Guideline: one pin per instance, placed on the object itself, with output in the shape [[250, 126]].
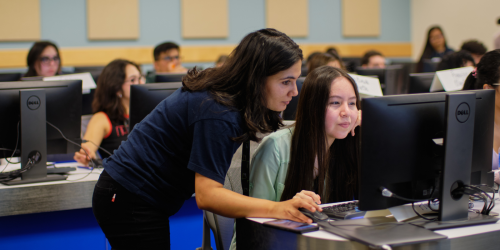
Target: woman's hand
[[289, 210], [308, 195], [82, 157], [357, 123]]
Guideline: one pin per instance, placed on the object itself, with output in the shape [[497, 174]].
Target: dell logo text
[[34, 102], [462, 113]]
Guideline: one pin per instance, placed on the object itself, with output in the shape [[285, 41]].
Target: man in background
[[167, 60], [475, 48], [373, 60]]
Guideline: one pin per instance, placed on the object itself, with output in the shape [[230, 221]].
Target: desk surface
[[73, 193], [255, 235]]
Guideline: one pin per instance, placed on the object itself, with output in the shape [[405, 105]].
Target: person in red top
[[108, 127]]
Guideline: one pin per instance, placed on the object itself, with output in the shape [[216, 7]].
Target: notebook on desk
[[380, 231]]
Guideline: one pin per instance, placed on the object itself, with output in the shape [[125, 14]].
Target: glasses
[[136, 80], [46, 60], [170, 58]]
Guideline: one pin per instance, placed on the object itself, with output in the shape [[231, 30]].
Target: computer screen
[[10, 77], [145, 98], [392, 78], [24, 121], [169, 77], [420, 82], [402, 146]]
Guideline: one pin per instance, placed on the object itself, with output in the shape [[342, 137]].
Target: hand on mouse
[[289, 210], [308, 195]]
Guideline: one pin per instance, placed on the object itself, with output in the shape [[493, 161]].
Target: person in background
[[455, 60], [487, 76], [321, 59], [220, 61], [43, 60], [167, 60], [108, 127], [435, 47], [373, 60], [333, 51], [496, 40], [185, 146], [475, 48]]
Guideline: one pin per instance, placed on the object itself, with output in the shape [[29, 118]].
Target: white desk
[[255, 235], [73, 193]]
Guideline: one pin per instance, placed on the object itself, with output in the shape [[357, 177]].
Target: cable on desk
[[13, 151], [11, 175]]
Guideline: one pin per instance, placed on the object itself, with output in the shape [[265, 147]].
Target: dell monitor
[[10, 77], [169, 77], [420, 82], [26, 109], [409, 143], [144, 98]]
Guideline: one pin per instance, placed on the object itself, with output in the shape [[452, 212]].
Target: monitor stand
[[458, 141], [34, 138]]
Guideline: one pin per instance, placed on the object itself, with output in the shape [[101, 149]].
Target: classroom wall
[[65, 23], [461, 20]]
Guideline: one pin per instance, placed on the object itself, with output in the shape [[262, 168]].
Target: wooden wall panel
[[288, 16], [19, 20], [360, 18], [113, 19], [204, 19]]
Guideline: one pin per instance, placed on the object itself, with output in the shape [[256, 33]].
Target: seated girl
[[108, 127], [43, 60], [316, 158]]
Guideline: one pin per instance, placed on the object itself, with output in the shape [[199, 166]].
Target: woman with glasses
[[108, 127], [43, 60]]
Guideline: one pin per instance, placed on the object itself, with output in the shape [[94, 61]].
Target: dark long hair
[[34, 55], [487, 72], [428, 49], [108, 84], [323, 59], [240, 82], [337, 178]]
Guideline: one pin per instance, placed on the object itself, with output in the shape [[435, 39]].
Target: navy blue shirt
[[187, 132]]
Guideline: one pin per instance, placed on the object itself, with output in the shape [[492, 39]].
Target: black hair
[[164, 47], [366, 58], [455, 60], [487, 72], [240, 82], [34, 55], [333, 51], [474, 47], [428, 49]]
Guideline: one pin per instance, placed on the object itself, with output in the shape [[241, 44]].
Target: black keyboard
[[344, 211]]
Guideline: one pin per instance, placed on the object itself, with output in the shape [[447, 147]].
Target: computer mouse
[[316, 216]]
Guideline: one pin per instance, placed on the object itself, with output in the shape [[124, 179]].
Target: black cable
[[13, 151], [106, 151], [420, 215], [8, 176]]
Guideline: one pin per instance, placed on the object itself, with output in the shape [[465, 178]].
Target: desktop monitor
[[10, 77], [392, 78], [169, 77], [25, 107], [144, 98], [420, 82], [402, 147]]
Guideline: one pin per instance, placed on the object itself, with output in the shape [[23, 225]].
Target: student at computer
[[43, 59], [373, 60], [321, 59], [167, 60], [475, 48], [185, 145], [487, 76], [317, 158], [435, 47], [455, 60], [108, 127]]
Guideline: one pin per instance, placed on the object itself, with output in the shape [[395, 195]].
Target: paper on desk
[[369, 86], [88, 82], [450, 80]]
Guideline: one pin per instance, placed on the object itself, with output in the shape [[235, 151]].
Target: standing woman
[[108, 127], [185, 145], [43, 60], [487, 76], [435, 47]]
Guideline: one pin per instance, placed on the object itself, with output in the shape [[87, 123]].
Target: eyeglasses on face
[[170, 58], [47, 60]]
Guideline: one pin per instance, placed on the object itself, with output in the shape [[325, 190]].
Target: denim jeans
[[128, 221]]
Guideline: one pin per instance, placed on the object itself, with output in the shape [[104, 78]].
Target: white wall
[[460, 20]]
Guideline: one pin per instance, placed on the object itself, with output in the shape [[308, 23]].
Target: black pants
[[128, 221]]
